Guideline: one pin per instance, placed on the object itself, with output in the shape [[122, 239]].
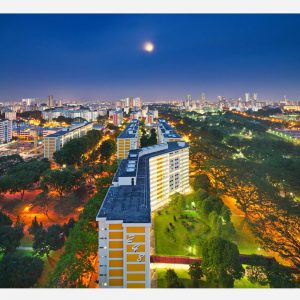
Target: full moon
[[148, 47]]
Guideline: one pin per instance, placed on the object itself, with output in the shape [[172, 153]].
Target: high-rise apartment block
[[117, 117], [5, 131], [149, 118], [128, 139], [143, 183], [166, 133], [50, 102], [10, 115]]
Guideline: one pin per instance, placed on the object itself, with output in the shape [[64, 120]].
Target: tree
[[47, 240], [61, 181], [221, 262], [107, 149], [201, 182], [63, 119], [257, 274], [71, 153], [40, 246], [35, 226], [196, 273], [178, 203], [153, 137], [144, 141], [68, 226], [20, 271], [172, 279], [280, 276], [44, 201], [78, 259], [92, 171], [73, 150], [4, 219], [22, 176], [147, 140], [55, 237], [9, 161], [10, 237], [206, 207], [19, 182]]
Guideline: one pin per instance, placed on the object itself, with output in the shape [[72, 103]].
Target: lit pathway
[[25, 248], [154, 266]]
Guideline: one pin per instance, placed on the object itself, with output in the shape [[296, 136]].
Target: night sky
[[101, 56]]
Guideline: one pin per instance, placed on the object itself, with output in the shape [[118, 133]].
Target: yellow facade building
[[128, 139], [143, 183], [55, 141]]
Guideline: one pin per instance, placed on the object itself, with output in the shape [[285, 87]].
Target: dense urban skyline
[[102, 56]]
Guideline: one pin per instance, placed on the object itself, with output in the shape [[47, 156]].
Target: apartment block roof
[[131, 203]]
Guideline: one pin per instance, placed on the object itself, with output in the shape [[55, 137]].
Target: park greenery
[[23, 176], [146, 138], [86, 165], [258, 170], [8, 161], [81, 247], [73, 151], [10, 234], [183, 226], [20, 271]]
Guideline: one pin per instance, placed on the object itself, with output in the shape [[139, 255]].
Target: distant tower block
[[35, 140]]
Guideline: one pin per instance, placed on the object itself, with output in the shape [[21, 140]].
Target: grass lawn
[[182, 241], [184, 276], [179, 241]]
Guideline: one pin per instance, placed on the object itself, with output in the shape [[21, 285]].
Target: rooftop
[[131, 203], [66, 130], [167, 130], [130, 131]]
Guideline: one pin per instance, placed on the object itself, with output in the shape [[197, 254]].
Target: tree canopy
[[107, 149], [20, 271], [72, 151], [221, 262]]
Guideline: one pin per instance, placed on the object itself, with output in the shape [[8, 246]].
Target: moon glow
[[149, 47]]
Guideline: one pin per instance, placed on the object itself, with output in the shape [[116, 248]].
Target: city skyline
[[104, 56]]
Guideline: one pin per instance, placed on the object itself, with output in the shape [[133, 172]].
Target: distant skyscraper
[[254, 96], [188, 100], [117, 117], [50, 101], [247, 97], [202, 97], [5, 131]]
